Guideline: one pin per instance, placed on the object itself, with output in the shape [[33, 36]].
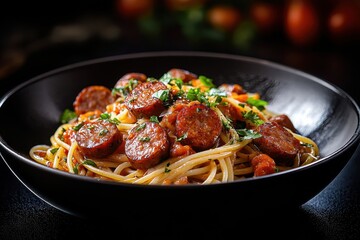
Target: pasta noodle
[[236, 152]]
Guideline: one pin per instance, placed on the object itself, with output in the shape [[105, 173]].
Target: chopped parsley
[[144, 139], [245, 134], [107, 117], [120, 91], [195, 94], [217, 92], [226, 123], [178, 83], [140, 127], [85, 162], [78, 126], [206, 81], [103, 132], [154, 119], [162, 95], [260, 104], [61, 135], [182, 137], [125, 90], [54, 150], [166, 78], [253, 117], [67, 116], [89, 162], [76, 169]]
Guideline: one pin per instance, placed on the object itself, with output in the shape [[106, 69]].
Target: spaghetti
[[178, 129]]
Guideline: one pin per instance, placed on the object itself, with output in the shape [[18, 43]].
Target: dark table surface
[[332, 214]]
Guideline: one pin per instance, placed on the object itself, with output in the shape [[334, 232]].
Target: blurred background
[[320, 37]]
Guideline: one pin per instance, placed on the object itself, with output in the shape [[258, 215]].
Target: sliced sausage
[[278, 143], [141, 102], [93, 98], [284, 121], [124, 80], [198, 126], [146, 145], [98, 139], [182, 74]]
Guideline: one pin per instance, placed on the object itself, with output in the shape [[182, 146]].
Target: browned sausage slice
[[146, 145], [284, 121], [278, 143], [93, 98], [124, 80], [182, 74], [141, 101], [98, 139], [199, 126]]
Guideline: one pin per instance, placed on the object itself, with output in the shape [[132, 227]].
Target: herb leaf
[[77, 127], [140, 127], [67, 116], [166, 78], [163, 95], [247, 134], [89, 162], [154, 119], [253, 117], [182, 137], [107, 117], [54, 150], [260, 104], [144, 139], [206, 81]]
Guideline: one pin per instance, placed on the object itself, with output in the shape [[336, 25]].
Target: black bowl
[[30, 114]]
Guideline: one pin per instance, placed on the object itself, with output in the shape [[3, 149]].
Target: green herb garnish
[[67, 116]]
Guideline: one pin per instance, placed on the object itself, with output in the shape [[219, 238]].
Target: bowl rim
[[355, 138]]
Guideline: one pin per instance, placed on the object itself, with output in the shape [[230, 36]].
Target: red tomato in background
[[344, 22], [302, 22], [133, 9], [183, 4], [268, 17], [224, 17]]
